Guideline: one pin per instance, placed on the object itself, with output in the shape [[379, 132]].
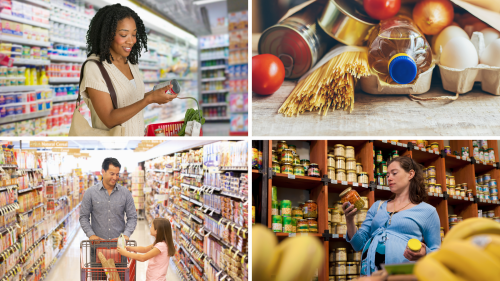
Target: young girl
[[157, 253]]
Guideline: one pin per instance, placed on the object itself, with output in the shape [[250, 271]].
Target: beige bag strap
[[105, 74], [379, 204], [414, 98]]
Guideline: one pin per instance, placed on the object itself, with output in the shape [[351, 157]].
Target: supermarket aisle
[[68, 268]]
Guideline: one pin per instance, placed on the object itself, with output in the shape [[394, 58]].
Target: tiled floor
[[68, 267]]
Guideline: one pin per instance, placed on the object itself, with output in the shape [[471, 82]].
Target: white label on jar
[[341, 256], [352, 269], [340, 269]]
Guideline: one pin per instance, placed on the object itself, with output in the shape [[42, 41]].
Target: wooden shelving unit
[[464, 170]]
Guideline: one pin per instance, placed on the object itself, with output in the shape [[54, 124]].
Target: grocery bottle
[[398, 51], [43, 78], [27, 81], [33, 76]]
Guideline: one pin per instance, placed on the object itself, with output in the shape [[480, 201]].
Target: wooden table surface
[[476, 113]]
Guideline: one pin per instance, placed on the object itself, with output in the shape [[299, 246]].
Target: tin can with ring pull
[[175, 90]]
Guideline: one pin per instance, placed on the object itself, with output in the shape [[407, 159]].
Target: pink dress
[[158, 266]]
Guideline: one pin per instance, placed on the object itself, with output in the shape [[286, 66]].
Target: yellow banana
[[470, 227], [264, 244], [469, 261], [429, 269], [490, 244], [300, 257]]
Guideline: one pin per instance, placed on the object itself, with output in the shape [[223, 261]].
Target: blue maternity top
[[375, 234]]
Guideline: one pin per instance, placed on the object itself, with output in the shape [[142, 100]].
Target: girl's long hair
[[164, 234]]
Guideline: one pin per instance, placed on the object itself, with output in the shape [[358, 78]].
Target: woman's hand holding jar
[[350, 212]]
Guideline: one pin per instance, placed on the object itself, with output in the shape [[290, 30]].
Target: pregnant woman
[[115, 38], [389, 225]]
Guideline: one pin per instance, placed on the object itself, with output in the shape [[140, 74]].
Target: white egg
[[444, 36], [459, 53], [491, 55], [490, 34]]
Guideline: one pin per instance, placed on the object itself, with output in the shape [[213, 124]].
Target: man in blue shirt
[[104, 207]]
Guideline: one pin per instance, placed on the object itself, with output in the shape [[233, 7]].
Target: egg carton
[[462, 80], [372, 85]]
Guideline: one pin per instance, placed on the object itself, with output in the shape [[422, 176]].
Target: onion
[[432, 16]]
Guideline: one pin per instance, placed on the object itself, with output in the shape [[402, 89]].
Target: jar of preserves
[[435, 146], [453, 218], [380, 179], [357, 256], [276, 167], [447, 180], [383, 167], [298, 170], [494, 190], [338, 207], [296, 160], [339, 150], [340, 175], [379, 156], [331, 173], [421, 143], [341, 255], [494, 197], [480, 195], [438, 188], [302, 226], [350, 195], [313, 225], [350, 164], [432, 180], [286, 156], [342, 228], [431, 188], [351, 268], [491, 214], [340, 268], [351, 176], [349, 152], [469, 193], [340, 162], [305, 163], [361, 215], [314, 170], [459, 219], [480, 180], [359, 168], [464, 186], [336, 216], [275, 156], [287, 168], [281, 145], [451, 190], [486, 177], [293, 148], [330, 160], [395, 154], [462, 192], [441, 232], [431, 171], [452, 180], [310, 209], [334, 227], [297, 213], [363, 177], [452, 224], [492, 183]]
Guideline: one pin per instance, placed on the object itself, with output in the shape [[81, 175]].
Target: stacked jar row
[[486, 188], [286, 160], [481, 152], [344, 266], [454, 220], [380, 166], [342, 165], [288, 219], [488, 215]]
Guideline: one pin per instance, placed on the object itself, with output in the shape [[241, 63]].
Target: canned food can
[[486, 178], [287, 225], [175, 90], [274, 208], [274, 191], [286, 208], [294, 225], [297, 40], [492, 183], [277, 223]]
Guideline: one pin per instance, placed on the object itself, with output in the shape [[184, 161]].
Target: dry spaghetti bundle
[[329, 86]]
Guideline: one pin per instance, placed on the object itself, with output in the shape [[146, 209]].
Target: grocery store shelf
[[145, 67], [242, 198], [8, 166], [233, 168], [21, 20], [27, 116], [483, 202], [214, 104], [64, 79], [38, 3], [67, 59], [62, 220], [19, 40], [70, 10], [387, 145], [296, 182], [23, 88], [214, 58], [7, 187], [192, 231], [148, 60], [69, 42], [336, 186], [192, 259], [482, 168], [19, 191], [55, 19], [31, 62], [190, 186], [214, 92], [215, 47], [213, 79], [452, 162], [65, 98], [459, 200], [282, 234], [222, 66], [217, 118]]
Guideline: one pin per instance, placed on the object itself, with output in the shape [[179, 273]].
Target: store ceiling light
[[114, 144], [152, 21]]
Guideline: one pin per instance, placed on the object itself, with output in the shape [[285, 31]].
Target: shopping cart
[[91, 265], [170, 129]]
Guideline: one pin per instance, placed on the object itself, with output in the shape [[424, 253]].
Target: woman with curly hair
[[389, 225], [115, 38]]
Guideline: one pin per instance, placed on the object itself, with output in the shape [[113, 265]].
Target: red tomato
[[268, 73], [382, 9]]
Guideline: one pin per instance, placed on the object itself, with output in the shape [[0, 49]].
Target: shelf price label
[[458, 157], [304, 234], [364, 185], [334, 181], [344, 183], [292, 234], [384, 141], [400, 144], [355, 184], [379, 187], [454, 197], [292, 177], [393, 142], [335, 236]]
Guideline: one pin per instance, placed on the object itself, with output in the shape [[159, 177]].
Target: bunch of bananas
[[469, 252], [294, 259]]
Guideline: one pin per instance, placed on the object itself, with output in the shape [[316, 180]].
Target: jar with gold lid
[[330, 160], [331, 173], [339, 150], [297, 213], [340, 268], [276, 167], [350, 164], [351, 176], [310, 209], [451, 190], [359, 168], [281, 145], [350, 195], [340, 175], [302, 226], [336, 216], [431, 171], [287, 168], [349, 152], [296, 160], [438, 188], [452, 180], [363, 177], [340, 162], [432, 179], [298, 170], [313, 225], [314, 171], [340, 254], [286, 156], [275, 156], [293, 148]]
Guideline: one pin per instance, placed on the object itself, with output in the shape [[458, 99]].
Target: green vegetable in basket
[[191, 115]]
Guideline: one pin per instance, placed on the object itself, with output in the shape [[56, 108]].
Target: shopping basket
[[91, 266], [171, 128]]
